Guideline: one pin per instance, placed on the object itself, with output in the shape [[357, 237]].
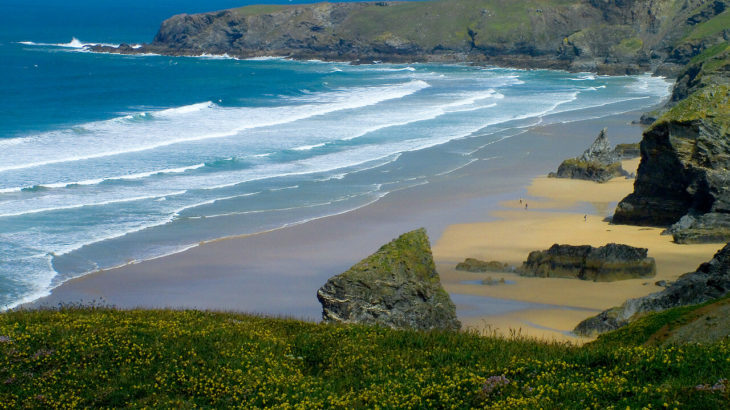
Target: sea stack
[[598, 163], [397, 286]]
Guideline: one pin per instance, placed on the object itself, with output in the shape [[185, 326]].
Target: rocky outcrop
[[706, 228], [710, 281], [476, 265], [604, 264], [685, 157], [609, 37], [397, 286], [598, 163]]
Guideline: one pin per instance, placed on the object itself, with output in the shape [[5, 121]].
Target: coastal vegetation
[[103, 357]]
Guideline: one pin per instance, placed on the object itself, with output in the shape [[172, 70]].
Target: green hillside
[[108, 358]]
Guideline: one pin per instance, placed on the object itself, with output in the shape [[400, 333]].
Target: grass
[[711, 102], [655, 328], [449, 23], [100, 357], [628, 46], [710, 27]]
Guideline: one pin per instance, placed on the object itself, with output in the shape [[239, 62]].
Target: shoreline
[[276, 273]]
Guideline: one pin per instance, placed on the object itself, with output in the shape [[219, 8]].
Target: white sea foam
[[195, 122], [74, 43], [223, 56], [5, 208], [185, 109], [309, 147], [139, 175], [205, 120], [265, 58], [460, 105], [378, 67]]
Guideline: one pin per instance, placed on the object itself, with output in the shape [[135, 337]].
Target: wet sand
[[551, 218], [473, 212]]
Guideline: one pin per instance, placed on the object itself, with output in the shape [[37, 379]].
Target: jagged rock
[[397, 286], [604, 264], [600, 150], [685, 157], [710, 281], [707, 228], [476, 265], [598, 163]]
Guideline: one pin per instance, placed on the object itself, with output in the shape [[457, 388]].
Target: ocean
[[110, 159]]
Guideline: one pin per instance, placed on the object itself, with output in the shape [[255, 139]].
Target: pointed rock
[[598, 163], [397, 286], [600, 150]]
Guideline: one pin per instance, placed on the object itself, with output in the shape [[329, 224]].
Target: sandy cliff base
[[559, 211]]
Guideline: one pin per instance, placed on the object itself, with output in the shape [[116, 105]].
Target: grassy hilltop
[[160, 358], [611, 37]]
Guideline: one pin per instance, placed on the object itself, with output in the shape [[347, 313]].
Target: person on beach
[[525, 206], [585, 218]]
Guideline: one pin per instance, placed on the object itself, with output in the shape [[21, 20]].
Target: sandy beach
[[550, 219], [472, 212]]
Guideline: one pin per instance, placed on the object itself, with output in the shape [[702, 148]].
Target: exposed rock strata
[[604, 264], [397, 286], [710, 281], [598, 163], [685, 157]]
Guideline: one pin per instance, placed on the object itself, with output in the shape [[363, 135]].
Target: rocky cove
[[682, 179]]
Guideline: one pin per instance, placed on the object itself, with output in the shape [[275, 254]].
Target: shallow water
[[106, 159]]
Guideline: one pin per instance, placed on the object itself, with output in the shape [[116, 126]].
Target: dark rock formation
[[604, 264], [706, 228], [710, 281], [609, 37], [397, 286], [598, 163], [476, 265], [685, 157]]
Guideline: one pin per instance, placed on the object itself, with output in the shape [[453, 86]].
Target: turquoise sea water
[[106, 159]]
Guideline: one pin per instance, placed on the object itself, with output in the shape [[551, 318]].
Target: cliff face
[[610, 36], [684, 170], [683, 175]]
